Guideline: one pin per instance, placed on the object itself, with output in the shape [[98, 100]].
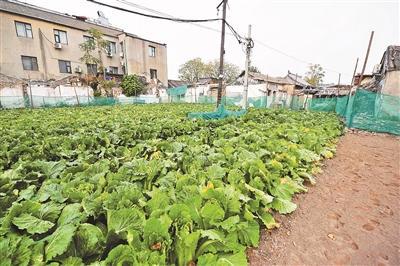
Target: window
[[87, 38], [111, 48], [153, 73], [113, 70], [29, 63], [91, 69], [23, 29], [65, 66], [60, 36], [152, 51]]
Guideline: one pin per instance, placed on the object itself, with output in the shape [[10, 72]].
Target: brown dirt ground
[[352, 215]]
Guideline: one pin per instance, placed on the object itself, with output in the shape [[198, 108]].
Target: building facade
[[41, 44]]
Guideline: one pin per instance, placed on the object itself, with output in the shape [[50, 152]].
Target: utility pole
[[247, 65], [338, 85], [222, 52], [366, 57], [354, 73]]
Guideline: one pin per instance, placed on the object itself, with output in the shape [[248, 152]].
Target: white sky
[[327, 32]]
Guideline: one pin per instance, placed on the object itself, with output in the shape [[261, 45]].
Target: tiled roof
[[176, 83], [32, 11]]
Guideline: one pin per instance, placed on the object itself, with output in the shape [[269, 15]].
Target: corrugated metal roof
[[36, 12]]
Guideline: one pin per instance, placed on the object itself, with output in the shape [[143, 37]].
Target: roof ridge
[[66, 15]]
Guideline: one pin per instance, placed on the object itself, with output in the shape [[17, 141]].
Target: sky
[[288, 34]]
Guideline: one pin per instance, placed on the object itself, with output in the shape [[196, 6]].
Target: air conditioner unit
[[109, 54], [122, 63], [108, 70], [121, 54], [78, 69], [58, 45]]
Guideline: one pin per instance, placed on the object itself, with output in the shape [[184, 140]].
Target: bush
[[132, 85]]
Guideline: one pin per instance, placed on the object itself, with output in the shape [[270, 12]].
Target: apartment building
[[41, 44]]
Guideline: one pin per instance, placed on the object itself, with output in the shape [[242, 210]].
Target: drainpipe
[[43, 54]]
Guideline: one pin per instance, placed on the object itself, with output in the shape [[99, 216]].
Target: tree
[[315, 74], [192, 70], [107, 86], [93, 43], [254, 69], [195, 69], [231, 71], [132, 85]]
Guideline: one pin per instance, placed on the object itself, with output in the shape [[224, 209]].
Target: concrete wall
[[391, 84], [136, 51], [41, 46], [139, 61]]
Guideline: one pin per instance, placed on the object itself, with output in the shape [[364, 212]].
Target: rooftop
[[73, 21], [28, 10]]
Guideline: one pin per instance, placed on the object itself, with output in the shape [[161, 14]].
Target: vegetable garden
[[144, 185]]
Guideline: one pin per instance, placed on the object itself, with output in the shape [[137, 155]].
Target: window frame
[[113, 45], [88, 66], [16, 22], [114, 68], [56, 33], [87, 38], [152, 72], [67, 66], [152, 51], [32, 63]]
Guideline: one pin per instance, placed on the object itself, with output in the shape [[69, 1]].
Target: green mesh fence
[[364, 109], [220, 113], [11, 102]]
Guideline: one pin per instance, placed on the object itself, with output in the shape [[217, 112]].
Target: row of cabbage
[[144, 185]]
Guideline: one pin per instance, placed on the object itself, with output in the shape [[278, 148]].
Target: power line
[[153, 16], [233, 32], [164, 14]]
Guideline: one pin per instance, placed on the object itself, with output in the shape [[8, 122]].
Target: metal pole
[[338, 85], [366, 57], [221, 56], [246, 73]]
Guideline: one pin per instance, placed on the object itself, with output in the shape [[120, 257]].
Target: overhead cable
[[154, 16], [193, 22]]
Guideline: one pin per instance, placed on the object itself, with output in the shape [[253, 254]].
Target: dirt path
[[352, 215]]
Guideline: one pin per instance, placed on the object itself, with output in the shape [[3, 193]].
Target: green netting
[[258, 102], [365, 110], [10, 102], [296, 103], [207, 99], [341, 105], [220, 113], [375, 112], [178, 91], [322, 104]]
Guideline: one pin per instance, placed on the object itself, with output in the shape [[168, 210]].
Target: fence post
[[30, 92], [88, 94], [76, 95]]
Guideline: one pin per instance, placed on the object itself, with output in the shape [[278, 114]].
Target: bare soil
[[352, 215]]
